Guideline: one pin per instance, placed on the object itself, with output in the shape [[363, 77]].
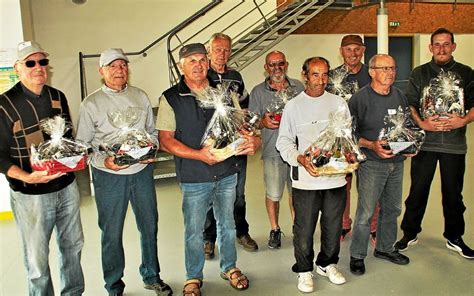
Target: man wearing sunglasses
[[40, 202], [276, 173]]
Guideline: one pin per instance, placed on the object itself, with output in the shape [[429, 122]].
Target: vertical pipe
[[382, 29]]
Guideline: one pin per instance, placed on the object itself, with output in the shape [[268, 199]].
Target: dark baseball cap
[[190, 49], [352, 39]]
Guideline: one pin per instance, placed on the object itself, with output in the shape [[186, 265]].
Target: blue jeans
[[36, 217], [377, 182], [240, 207], [113, 193], [197, 198]]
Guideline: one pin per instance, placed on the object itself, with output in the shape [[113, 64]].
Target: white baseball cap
[[110, 55]]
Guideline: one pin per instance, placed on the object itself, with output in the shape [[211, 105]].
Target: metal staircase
[[259, 36], [272, 30]]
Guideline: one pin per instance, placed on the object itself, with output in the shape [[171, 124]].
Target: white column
[[382, 29]]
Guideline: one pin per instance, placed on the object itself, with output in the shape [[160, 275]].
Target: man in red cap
[[357, 75]]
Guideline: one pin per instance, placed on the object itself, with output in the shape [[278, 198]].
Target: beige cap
[[27, 48]]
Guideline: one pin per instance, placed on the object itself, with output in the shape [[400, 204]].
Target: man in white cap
[[118, 185], [40, 202]]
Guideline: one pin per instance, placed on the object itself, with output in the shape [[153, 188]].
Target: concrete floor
[[434, 270]]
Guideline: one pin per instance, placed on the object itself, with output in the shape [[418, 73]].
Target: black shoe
[[405, 242], [209, 249], [116, 294], [247, 242], [357, 266], [274, 241], [344, 232], [160, 288], [393, 257], [459, 246]]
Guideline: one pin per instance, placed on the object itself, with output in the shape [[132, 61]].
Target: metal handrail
[[173, 69], [183, 24]]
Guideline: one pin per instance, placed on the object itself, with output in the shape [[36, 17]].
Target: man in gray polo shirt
[[276, 172]]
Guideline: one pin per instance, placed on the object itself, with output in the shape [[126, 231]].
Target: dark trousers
[[307, 205], [241, 225], [423, 167]]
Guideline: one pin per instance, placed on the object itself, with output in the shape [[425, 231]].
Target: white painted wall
[[64, 29], [11, 33]]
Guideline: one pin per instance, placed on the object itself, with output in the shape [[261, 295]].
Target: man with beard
[[445, 143], [276, 172]]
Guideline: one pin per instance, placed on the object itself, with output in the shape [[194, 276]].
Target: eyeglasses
[[386, 69], [32, 63], [275, 64]]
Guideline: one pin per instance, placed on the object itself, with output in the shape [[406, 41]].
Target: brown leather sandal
[[192, 287], [236, 279]]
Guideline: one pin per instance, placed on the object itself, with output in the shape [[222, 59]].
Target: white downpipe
[[382, 29]]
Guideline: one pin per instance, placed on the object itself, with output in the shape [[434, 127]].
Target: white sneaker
[[305, 282], [330, 271]]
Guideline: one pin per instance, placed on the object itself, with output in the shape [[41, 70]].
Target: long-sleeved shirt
[[95, 129], [20, 114], [303, 120], [453, 141]]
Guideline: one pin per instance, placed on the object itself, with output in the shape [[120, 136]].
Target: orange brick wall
[[417, 18]]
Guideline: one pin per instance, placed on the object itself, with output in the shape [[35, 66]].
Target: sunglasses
[[32, 63], [276, 64]]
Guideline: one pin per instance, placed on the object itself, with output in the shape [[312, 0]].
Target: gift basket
[[336, 151], [338, 85], [227, 125], [277, 105], [129, 145], [444, 95], [401, 133], [58, 154]]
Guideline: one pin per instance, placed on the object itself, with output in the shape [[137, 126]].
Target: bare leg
[[273, 210]]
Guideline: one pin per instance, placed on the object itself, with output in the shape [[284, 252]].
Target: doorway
[[401, 49]]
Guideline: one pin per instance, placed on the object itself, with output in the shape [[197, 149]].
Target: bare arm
[[169, 144], [35, 177]]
